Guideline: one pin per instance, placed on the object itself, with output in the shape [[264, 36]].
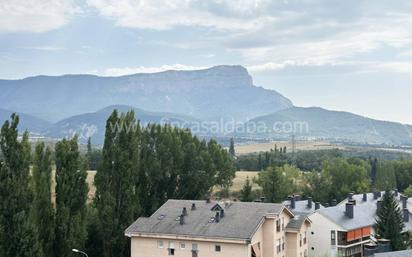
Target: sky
[[352, 55]]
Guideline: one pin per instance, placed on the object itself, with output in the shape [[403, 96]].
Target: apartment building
[[344, 229], [187, 228]]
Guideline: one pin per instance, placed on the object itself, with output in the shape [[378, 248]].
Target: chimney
[[405, 215], [404, 199], [184, 212], [350, 196], [353, 201], [378, 206], [310, 202], [334, 202], [193, 207], [317, 205], [182, 219], [293, 202], [222, 213], [365, 197], [375, 195], [217, 217], [349, 212], [379, 194], [262, 199]]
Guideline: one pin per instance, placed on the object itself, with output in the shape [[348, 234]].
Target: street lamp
[[81, 252]]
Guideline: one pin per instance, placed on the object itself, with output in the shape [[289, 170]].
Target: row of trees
[[328, 174], [140, 168], [143, 167], [30, 223]]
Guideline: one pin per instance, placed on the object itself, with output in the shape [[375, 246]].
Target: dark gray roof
[[240, 221], [301, 206], [407, 253], [296, 222], [364, 215], [359, 198]]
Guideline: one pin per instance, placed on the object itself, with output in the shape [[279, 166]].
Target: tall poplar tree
[[232, 147], [17, 235], [71, 197], [115, 182], [43, 211]]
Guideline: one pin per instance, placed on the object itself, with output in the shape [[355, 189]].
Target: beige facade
[[298, 242], [271, 239], [184, 247]]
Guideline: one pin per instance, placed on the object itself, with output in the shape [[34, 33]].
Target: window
[[304, 238], [300, 239], [283, 243], [278, 249], [182, 245], [278, 225], [194, 250], [171, 248], [160, 244], [283, 223], [305, 254], [333, 237], [218, 248]]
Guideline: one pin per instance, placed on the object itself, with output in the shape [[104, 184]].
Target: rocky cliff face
[[219, 92]]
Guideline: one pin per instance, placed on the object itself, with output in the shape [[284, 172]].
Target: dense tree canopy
[[43, 211], [71, 196], [17, 233], [389, 223]]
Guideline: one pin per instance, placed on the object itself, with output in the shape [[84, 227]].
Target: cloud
[[278, 34], [35, 15], [45, 48], [167, 14], [120, 71]]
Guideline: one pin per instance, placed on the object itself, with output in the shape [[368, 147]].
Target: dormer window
[[216, 208]]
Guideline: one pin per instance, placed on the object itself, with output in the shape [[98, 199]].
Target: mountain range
[[219, 92], [60, 106]]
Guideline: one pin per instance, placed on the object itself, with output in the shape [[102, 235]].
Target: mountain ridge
[[338, 125], [217, 92]]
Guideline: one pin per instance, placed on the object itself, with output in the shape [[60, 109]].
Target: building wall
[[148, 247], [293, 238], [292, 247], [319, 236]]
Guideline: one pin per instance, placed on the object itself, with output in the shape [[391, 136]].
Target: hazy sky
[[352, 55]]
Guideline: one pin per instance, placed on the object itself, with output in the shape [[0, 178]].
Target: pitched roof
[[301, 206], [296, 222], [370, 198], [240, 220], [364, 215], [407, 253]]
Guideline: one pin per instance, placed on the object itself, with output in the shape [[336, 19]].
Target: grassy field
[[238, 182], [300, 145], [89, 180]]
